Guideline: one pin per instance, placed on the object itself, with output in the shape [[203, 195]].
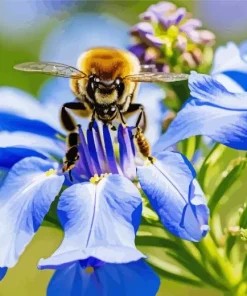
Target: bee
[[105, 84]]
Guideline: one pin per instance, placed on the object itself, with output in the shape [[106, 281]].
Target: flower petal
[[177, 199], [33, 141], [93, 217], [25, 198], [3, 272], [126, 155], [229, 67], [83, 31], [212, 112], [13, 123], [135, 278], [11, 155], [14, 101]]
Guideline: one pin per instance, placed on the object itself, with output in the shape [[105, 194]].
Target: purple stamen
[[100, 149], [83, 150], [131, 136], [109, 150], [126, 155], [93, 151]]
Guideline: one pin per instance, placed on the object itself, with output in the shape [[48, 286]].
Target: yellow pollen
[[96, 178], [89, 269], [50, 172], [172, 31]]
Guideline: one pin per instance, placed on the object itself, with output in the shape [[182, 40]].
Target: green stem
[[220, 263]]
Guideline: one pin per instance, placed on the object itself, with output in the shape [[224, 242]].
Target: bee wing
[[50, 68], [157, 77], [148, 68]]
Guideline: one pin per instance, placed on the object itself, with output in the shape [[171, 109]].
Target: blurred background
[[54, 30]]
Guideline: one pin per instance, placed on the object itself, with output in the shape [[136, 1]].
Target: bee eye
[[117, 81]]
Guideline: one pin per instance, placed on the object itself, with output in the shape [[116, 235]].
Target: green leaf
[[172, 272], [199, 271], [230, 176], [189, 146], [243, 218], [209, 161]]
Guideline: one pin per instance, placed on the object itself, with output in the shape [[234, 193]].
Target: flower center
[[89, 269], [50, 172]]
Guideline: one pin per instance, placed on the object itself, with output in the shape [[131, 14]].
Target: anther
[[89, 270]]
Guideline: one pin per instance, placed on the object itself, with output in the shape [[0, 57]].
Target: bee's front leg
[[142, 118], [72, 154], [67, 120]]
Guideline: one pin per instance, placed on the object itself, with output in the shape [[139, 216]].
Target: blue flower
[[212, 111], [66, 42], [19, 17], [91, 213], [94, 161], [230, 67], [134, 278]]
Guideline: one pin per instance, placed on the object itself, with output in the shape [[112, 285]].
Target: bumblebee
[[105, 84]]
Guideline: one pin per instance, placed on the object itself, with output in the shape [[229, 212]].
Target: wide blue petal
[[212, 112], [173, 193], [229, 67], [130, 279], [11, 155], [99, 221], [81, 32], [14, 101], [12, 123], [25, 198], [3, 272], [34, 142]]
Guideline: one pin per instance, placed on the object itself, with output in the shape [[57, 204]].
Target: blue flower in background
[[212, 111], [66, 42], [19, 17]]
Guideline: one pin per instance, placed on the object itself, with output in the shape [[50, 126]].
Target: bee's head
[[104, 91]]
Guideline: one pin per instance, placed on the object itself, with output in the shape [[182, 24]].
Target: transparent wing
[[157, 77], [50, 68], [146, 68]]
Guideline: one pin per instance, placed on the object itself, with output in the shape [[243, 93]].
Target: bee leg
[[122, 117], [67, 120], [90, 126], [71, 155], [142, 118]]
